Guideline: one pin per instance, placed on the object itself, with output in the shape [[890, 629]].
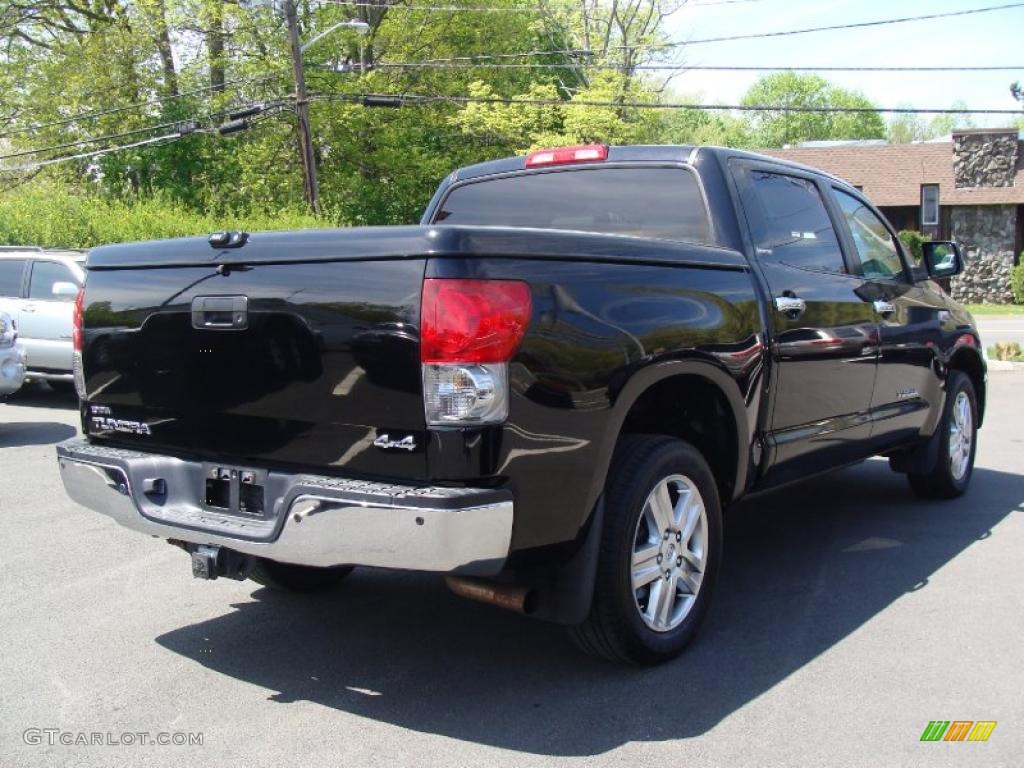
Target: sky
[[993, 38]]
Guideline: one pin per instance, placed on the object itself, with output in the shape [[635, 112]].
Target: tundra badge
[[103, 421]]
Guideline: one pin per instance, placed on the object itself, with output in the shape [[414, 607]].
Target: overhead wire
[[494, 9], [134, 132], [167, 138], [728, 38], [400, 99], [683, 67], [266, 111], [91, 140], [95, 114], [475, 61]]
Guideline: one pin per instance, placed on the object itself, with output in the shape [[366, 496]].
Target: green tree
[[776, 127], [701, 126], [904, 129], [945, 124], [145, 68]]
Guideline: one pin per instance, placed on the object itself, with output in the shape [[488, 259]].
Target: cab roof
[[664, 153]]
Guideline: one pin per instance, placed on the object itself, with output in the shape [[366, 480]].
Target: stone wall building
[[969, 189]]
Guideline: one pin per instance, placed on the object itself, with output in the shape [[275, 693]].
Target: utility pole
[[309, 182]]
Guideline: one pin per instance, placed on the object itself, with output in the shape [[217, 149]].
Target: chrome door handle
[[791, 306], [885, 308], [28, 308]]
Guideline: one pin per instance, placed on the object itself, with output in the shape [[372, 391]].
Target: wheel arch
[[968, 359], [636, 407]]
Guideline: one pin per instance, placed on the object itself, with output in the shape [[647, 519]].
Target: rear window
[[648, 202]]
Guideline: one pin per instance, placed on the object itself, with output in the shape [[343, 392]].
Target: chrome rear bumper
[[310, 519]]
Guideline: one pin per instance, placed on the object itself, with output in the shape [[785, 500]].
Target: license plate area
[[234, 490]]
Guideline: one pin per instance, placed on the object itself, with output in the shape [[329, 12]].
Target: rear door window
[[789, 222], [44, 275], [664, 203], [11, 271]]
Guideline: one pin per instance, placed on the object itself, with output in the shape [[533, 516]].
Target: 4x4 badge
[[407, 443]]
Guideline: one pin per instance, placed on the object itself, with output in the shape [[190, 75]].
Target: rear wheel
[[297, 578], [660, 552], [958, 432]]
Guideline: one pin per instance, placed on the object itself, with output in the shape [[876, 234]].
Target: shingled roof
[[892, 174]]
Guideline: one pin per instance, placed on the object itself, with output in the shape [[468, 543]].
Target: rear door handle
[[885, 308], [28, 307], [791, 306]]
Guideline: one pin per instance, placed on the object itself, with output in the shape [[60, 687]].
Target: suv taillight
[[76, 322], [76, 344], [469, 330]]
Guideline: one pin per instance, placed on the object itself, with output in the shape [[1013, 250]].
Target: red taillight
[[76, 322], [472, 321], [584, 153]]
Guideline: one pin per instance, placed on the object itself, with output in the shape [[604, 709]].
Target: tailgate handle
[[220, 313]]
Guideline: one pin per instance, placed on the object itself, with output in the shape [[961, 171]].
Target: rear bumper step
[[309, 519]]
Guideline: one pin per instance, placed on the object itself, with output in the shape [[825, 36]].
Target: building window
[[929, 205]]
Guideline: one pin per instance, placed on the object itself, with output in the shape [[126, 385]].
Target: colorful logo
[[958, 730]]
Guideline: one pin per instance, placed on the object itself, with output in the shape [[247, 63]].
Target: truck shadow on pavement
[[40, 395], [20, 433], [803, 569]]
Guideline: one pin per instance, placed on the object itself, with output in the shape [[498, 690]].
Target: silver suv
[[38, 290]]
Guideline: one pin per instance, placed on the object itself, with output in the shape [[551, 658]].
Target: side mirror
[[61, 288], [942, 258]]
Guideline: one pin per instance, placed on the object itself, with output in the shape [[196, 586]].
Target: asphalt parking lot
[[849, 615]]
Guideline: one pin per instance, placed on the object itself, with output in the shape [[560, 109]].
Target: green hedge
[[51, 216], [1017, 281]]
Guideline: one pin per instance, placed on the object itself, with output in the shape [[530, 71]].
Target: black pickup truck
[[548, 391]]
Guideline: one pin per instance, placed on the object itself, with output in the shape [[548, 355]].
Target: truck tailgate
[[255, 356]]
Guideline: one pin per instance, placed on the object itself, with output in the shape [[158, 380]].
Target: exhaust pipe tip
[[513, 598]]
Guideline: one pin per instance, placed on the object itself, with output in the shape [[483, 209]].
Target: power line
[[401, 99], [166, 138], [190, 122], [491, 9], [92, 115], [833, 27], [433, 8], [474, 60], [729, 38], [683, 67], [80, 142], [248, 118]]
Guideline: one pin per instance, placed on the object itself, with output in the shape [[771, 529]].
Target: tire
[[623, 625], [297, 578], [952, 472]]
